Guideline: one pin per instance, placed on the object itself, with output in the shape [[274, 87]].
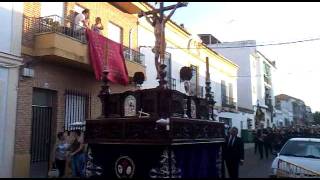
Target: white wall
[[287, 109], [3, 109], [10, 59], [237, 118], [240, 56], [8, 100], [11, 27], [5, 30]]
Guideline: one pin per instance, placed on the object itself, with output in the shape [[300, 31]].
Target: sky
[[297, 64]]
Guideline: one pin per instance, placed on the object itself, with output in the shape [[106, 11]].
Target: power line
[[245, 46]]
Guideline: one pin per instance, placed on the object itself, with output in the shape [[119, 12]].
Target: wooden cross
[[158, 22]]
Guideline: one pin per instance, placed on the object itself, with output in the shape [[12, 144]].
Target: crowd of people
[[271, 140]]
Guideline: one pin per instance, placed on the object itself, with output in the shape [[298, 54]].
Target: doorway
[[42, 106]]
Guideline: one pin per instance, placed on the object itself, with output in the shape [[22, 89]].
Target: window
[[230, 93], [78, 9], [266, 69], [249, 123], [306, 149], [130, 44], [130, 38], [52, 8], [268, 98], [223, 92], [194, 80], [114, 32], [77, 108], [227, 121]]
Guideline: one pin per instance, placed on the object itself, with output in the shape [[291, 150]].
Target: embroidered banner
[[107, 54]]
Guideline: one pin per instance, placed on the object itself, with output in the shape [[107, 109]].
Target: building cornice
[[10, 59]]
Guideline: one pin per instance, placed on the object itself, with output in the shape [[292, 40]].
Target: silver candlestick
[[185, 109]]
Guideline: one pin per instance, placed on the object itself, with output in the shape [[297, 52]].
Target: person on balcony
[[81, 22], [97, 27]]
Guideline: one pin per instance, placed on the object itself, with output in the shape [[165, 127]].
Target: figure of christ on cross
[[158, 22]]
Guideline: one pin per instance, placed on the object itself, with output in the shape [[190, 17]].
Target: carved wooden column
[[209, 97]]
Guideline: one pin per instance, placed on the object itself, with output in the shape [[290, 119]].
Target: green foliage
[[316, 117]]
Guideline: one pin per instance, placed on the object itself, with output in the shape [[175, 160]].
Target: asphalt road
[[253, 167]]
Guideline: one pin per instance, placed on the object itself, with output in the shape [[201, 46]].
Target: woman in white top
[[61, 149]]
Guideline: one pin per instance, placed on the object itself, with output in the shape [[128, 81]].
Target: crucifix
[[158, 22]]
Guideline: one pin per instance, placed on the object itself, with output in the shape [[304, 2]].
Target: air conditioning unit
[[27, 72]]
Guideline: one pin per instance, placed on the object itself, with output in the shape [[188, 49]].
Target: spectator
[[278, 141], [61, 148], [255, 140], [81, 20], [77, 155], [233, 152], [97, 27], [265, 136], [260, 143]]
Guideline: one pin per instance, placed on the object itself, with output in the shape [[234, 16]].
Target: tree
[[316, 117]]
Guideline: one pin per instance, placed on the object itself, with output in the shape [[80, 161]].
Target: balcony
[[134, 61], [228, 102], [61, 40]]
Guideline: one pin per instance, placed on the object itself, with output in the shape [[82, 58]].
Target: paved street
[[254, 167]]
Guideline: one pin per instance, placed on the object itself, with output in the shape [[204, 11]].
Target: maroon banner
[[107, 54], [118, 72]]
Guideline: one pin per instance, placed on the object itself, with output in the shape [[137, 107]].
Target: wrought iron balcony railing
[[132, 55], [228, 102], [56, 24]]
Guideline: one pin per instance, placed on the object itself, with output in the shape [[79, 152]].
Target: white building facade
[[10, 60], [293, 110], [185, 49], [254, 82]]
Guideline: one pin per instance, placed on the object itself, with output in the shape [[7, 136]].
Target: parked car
[[299, 157]]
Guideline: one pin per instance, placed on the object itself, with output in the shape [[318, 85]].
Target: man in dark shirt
[[233, 153]]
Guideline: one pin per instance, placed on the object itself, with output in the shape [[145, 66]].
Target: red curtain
[[107, 54]]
